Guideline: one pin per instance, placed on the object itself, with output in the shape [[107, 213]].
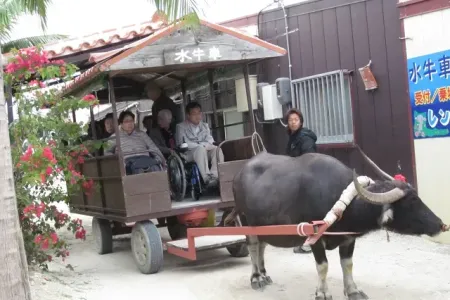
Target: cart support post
[[94, 130], [185, 99], [249, 99], [112, 96], [74, 115], [9, 103], [213, 96]]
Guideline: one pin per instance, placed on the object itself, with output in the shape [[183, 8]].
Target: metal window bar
[[325, 102]]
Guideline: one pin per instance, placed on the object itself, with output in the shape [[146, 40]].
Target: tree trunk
[[14, 282]]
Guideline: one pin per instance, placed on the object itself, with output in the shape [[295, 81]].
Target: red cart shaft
[[312, 230]]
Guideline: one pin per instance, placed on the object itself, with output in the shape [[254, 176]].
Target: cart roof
[[174, 53]]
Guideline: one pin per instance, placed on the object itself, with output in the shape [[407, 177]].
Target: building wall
[[347, 34], [425, 35]]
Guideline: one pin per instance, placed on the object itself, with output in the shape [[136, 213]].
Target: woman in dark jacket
[[301, 140]]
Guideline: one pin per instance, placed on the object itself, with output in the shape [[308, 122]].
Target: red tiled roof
[[103, 38], [112, 36]]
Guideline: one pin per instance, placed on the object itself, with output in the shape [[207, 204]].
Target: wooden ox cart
[[180, 60]]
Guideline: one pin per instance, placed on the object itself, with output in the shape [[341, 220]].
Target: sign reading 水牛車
[[429, 90], [194, 54]]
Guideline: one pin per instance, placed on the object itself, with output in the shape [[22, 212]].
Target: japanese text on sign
[[429, 88], [197, 55]]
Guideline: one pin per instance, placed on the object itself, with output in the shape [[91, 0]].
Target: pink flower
[[49, 170], [89, 98], [54, 237], [48, 154], [38, 239]]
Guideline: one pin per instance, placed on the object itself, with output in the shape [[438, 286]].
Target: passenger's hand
[[209, 146]]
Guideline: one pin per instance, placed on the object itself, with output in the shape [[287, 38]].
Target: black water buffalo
[[278, 190]]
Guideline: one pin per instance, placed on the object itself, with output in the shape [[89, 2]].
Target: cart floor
[[189, 203]]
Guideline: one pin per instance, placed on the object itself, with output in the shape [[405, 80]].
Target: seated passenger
[[108, 126], [198, 137], [164, 135], [139, 152], [161, 101], [147, 122]]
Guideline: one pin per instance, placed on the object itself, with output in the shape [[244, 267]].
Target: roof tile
[[101, 39]]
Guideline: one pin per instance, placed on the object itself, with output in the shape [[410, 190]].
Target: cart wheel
[[238, 250], [147, 247], [103, 237], [176, 230]]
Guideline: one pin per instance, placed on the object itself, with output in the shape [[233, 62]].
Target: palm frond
[[38, 7], [31, 41], [10, 10], [187, 10]]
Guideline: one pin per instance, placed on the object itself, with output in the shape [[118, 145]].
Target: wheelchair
[[184, 176]]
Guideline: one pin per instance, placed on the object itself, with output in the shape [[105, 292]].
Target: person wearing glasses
[[139, 152]]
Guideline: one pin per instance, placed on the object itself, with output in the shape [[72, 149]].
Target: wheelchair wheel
[[196, 183], [177, 177]]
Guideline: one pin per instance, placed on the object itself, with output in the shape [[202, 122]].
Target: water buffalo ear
[[387, 215]]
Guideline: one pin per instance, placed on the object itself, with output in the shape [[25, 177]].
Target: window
[[325, 101], [235, 119], [225, 118]]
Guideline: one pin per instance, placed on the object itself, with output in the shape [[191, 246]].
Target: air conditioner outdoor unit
[[272, 107], [241, 94]]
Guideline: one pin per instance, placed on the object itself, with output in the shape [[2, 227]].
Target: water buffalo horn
[[376, 168], [377, 198]]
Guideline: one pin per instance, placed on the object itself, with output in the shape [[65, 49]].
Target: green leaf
[[31, 41]]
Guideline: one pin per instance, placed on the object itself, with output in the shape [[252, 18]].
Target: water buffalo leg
[[261, 265], [256, 280], [320, 256], [350, 288]]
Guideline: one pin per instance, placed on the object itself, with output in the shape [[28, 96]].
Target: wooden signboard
[[197, 54]]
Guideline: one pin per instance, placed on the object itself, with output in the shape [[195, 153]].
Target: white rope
[[259, 143], [300, 230], [344, 201]]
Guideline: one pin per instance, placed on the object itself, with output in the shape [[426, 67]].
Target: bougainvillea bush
[[46, 149]]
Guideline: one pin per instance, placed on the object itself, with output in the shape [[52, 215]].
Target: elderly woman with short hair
[[164, 134]]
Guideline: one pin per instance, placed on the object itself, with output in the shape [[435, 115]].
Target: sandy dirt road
[[404, 268]]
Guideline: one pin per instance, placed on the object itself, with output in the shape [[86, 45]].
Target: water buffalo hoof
[[258, 281], [302, 249], [359, 295], [267, 279], [323, 296]]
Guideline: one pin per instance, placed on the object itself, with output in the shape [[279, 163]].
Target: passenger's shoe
[[302, 249], [212, 182]]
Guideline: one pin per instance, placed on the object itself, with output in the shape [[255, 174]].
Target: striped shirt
[[134, 144]]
